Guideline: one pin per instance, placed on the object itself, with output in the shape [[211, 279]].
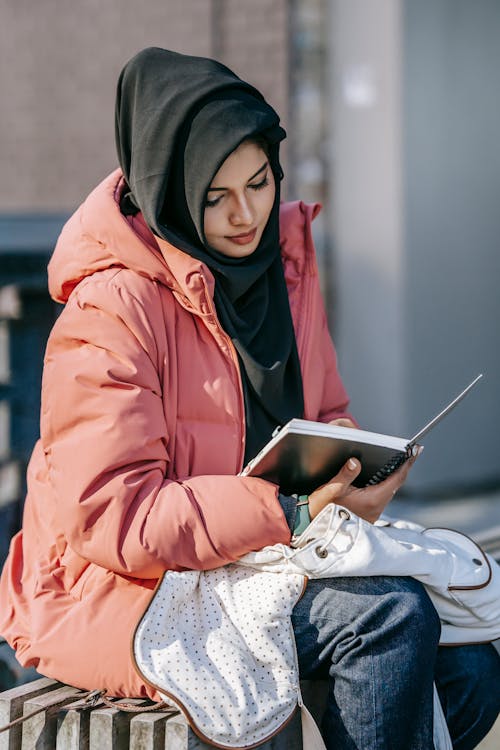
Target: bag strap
[[91, 699]]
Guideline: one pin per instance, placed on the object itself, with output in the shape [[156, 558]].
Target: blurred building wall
[[415, 169], [391, 113], [366, 215], [59, 63], [58, 70]]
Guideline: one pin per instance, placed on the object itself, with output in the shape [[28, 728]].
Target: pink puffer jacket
[[142, 438]]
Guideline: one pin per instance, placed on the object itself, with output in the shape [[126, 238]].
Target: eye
[[210, 203], [260, 185]]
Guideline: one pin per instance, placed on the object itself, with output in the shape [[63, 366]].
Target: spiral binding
[[392, 464]]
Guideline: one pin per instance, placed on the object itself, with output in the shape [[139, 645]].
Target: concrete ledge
[[62, 724]]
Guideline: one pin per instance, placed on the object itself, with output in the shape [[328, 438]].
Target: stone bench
[[62, 723]]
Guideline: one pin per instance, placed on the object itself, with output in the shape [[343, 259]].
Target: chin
[[233, 250], [240, 252]]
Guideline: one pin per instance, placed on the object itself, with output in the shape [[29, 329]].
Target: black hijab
[[177, 119]]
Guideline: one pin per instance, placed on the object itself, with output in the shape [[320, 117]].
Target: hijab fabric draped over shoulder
[[178, 118]]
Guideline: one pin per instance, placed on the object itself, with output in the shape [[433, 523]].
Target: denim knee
[[418, 614], [376, 639], [342, 616]]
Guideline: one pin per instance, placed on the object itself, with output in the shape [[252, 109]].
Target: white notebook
[[302, 455]]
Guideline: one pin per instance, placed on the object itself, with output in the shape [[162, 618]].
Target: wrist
[[316, 504], [302, 515]]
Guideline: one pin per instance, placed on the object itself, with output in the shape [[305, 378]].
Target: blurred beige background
[[59, 67], [392, 111]]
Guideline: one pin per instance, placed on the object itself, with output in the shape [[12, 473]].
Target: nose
[[241, 212]]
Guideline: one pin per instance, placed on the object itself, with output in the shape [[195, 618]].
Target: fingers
[[368, 502], [398, 478], [343, 422], [335, 488], [405, 468], [346, 475]]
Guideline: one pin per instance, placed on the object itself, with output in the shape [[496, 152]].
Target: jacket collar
[[98, 237]]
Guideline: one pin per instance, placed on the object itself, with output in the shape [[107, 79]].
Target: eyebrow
[[261, 169]]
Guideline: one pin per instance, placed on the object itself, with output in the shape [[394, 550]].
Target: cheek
[[210, 221], [267, 203], [206, 223]]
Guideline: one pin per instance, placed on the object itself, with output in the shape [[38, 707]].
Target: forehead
[[240, 165]]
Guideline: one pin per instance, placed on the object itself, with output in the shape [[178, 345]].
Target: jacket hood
[[98, 237]]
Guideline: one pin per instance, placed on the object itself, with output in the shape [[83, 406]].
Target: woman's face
[[239, 201]]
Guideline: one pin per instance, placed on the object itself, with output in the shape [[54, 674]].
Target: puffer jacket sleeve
[[104, 435]]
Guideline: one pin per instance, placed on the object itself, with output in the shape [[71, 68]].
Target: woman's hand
[[344, 422], [366, 502]]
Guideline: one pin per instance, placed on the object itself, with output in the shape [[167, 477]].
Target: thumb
[[346, 475], [334, 489]]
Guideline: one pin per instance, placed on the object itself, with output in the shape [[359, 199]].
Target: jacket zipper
[[301, 339], [235, 361]]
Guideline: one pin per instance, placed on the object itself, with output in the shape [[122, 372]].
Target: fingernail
[[352, 464]]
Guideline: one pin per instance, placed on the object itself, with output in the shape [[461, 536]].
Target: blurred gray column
[[26, 316], [415, 222]]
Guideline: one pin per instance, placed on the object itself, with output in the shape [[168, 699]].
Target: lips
[[243, 239]]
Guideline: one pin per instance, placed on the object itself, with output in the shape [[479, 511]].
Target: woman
[[192, 326]]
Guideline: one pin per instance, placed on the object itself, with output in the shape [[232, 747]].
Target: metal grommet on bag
[[321, 551], [343, 513]]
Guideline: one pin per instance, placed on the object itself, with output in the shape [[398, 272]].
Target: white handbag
[[462, 580], [219, 644]]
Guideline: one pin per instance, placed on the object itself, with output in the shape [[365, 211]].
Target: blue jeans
[[376, 640]]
